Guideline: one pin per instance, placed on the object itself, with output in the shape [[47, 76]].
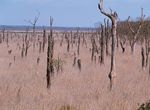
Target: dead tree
[[50, 50], [135, 32], [149, 67], [94, 47], [74, 61], [117, 43], [27, 43], [102, 45], [122, 46], [84, 40], [68, 42], [3, 31], [106, 35], [78, 50], [93, 51], [147, 42], [22, 51], [40, 46], [33, 23], [44, 39], [79, 64], [23, 47], [27, 47], [143, 57], [7, 40], [113, 17], [71, 35], [0, 39], [62, 39]]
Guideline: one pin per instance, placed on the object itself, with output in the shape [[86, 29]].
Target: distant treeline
[[123, 28], [38, 28]]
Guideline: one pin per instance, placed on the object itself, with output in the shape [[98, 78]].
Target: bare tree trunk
[[3, 31], [93, 51], [149, 67], [112, 69], [107, 36], [26, 43], [22, 51], [74, 61], [7, 40], [143, 57], [33, 23], [79, 64], [44, 40], [147, 51], [78, 50], [40, 46], [132, 48], [117, 41], [102, 45], [123, 48], [50, 68], [0, 39], [94, 47], [135, 32], [113, 16]]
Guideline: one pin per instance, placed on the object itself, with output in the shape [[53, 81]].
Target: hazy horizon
[[67, 13]]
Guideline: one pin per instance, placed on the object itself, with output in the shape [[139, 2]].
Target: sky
[[67, 13]]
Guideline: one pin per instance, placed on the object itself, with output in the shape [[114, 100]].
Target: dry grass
[[23, 84]]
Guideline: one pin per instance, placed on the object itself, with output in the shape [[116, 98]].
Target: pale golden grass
[[23, 85]]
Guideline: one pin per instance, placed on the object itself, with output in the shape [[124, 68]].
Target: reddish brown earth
[[23, 83]]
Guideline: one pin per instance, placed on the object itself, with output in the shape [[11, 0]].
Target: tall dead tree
[[33, 23], [135, 32], [94, 47], [144, 35], [113, 17], [27, 43], [50, 50], [102, 45]]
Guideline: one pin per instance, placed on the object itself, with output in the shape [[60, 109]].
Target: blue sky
[[77, 13]]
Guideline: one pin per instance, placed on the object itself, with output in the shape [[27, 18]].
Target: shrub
[[145, 106]]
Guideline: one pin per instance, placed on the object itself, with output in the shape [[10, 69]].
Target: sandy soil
[[23, 81]]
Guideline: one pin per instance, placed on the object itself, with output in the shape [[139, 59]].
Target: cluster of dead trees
[[103, 41], [124, 33]]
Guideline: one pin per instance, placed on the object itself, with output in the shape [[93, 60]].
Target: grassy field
[[23, 81]]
